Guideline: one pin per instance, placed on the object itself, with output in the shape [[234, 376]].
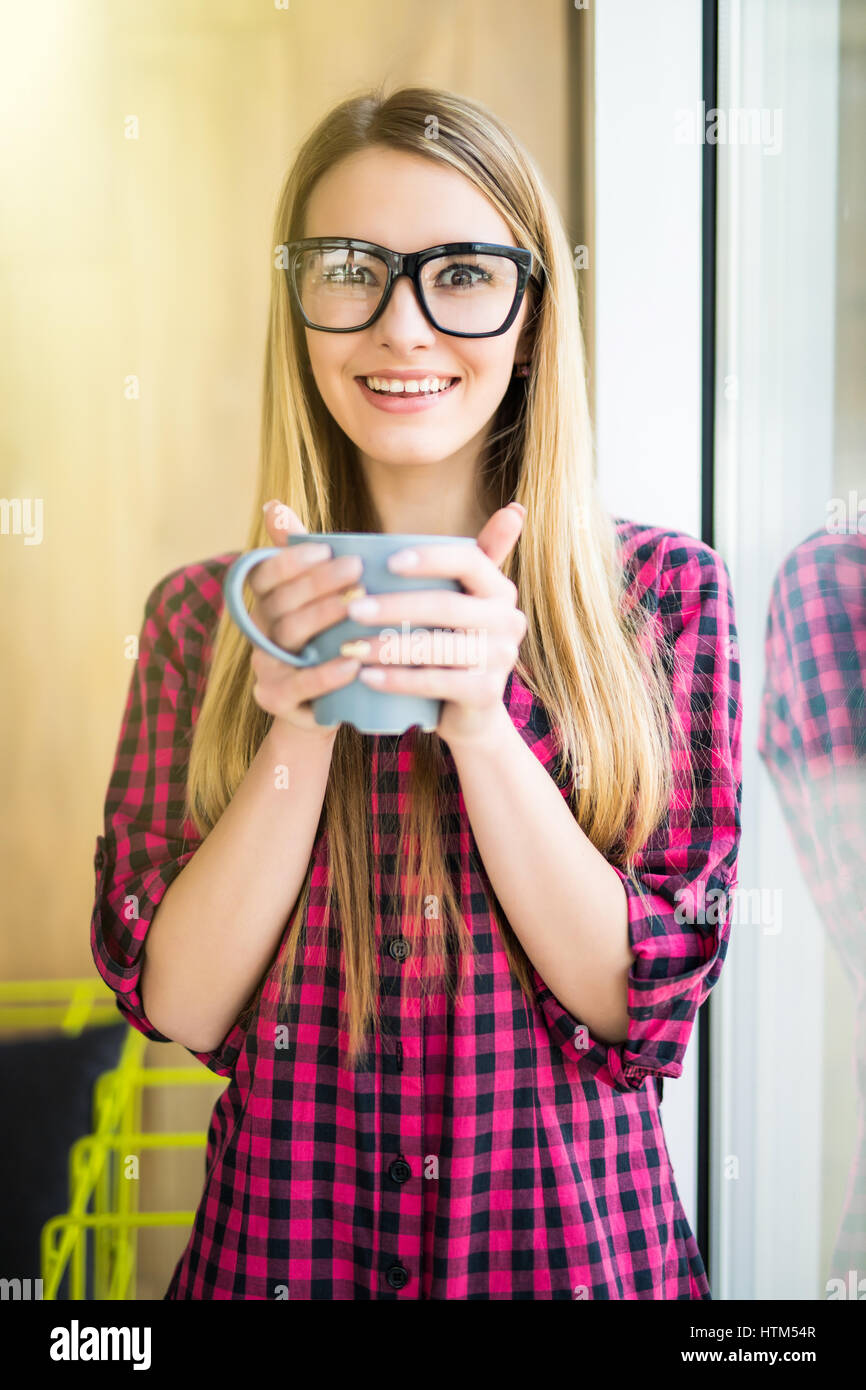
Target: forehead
[[402, 201]]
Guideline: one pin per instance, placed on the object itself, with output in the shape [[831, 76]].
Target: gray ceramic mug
[[370, 711]]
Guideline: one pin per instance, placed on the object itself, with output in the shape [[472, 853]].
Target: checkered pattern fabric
[[489, 1149], [812, 739]]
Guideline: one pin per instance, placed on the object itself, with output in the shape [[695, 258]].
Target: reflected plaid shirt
[[489, 1149], [812, 739]]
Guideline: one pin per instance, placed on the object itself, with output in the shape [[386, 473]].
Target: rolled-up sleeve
[[147, 839], [680, 894]]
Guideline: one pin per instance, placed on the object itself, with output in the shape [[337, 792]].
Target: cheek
[[327, 369], [325, 349], [319, 355], [489, 378], [491, 368]]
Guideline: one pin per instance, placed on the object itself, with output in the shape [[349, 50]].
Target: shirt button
[[397, 1276], [398, 948], [399, 1170]]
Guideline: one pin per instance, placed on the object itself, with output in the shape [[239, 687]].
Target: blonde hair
[[586, 656]]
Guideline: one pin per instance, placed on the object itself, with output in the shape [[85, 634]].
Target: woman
[[445, 972]]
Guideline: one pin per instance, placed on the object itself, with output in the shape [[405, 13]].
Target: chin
[[396, 454]]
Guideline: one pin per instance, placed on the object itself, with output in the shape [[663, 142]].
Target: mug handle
[[233, 590]]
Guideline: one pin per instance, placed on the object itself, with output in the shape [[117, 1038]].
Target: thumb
[[500, 534], [281, 521]]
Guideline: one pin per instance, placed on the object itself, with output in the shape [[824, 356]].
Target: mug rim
[[377, 535]]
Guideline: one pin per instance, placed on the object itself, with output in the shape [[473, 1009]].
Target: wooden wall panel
[[149, 257]]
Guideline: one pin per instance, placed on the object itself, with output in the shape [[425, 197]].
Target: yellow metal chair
[[101, 1197]]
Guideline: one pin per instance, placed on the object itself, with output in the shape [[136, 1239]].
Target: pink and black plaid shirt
[[492, 1149], [812, 739]]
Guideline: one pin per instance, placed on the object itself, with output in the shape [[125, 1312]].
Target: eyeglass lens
[[469, 292]]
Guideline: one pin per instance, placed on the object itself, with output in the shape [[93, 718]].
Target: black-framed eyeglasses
[[470, 289]]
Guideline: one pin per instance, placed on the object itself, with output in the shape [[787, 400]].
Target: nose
[[403, 315]]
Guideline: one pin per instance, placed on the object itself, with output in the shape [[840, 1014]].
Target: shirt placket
[[401, 1237]]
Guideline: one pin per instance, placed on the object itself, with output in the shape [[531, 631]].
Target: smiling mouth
[[423, 386], [408, 403]]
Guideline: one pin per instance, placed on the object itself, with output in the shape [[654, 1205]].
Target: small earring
[[521, 369]]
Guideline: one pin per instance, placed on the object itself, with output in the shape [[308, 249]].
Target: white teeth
[[426, 385]]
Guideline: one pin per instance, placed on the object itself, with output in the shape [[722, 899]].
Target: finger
[[446, 649], [470, 564], [291, 562], [474, 688], [297, 684], [325, 587], [298, 626], [499, 535], [441, 608], [281, 521]]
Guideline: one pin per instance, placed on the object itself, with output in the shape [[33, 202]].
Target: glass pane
[[469, 293], [789, 1156], [340, 288]]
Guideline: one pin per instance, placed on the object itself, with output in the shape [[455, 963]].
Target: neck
[[434, 499]]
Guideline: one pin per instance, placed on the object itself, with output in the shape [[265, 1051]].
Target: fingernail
[[363, 608], [403, 560], [519, 508], [357, 591], [269, 504], [371, 675], [359, 648]]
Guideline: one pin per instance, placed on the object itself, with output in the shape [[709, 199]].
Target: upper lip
[[410, 376]]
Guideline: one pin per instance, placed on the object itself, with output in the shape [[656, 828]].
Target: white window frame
[[775, 295], [648, 328]]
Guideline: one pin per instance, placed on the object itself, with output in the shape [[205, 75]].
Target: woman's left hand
[[487, 625]]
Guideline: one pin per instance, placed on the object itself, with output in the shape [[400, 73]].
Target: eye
[[346, 275], [460, 276], [356, 269]]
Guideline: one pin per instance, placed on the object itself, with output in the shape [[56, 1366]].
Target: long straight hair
[[589, 656]]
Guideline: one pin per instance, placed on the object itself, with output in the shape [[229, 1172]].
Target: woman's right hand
[[297, 595]]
